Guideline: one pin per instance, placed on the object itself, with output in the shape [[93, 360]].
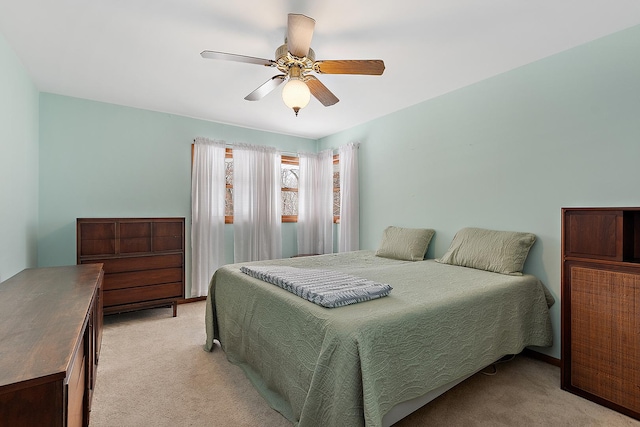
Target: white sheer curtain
[[349, 236], [207, 213], [315, 203], [257, 217]]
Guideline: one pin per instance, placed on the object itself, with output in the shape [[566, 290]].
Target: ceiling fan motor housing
[[285, 60]]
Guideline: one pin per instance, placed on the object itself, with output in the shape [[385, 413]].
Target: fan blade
[[373, 67], [299, 34], [209, 54], [265, 88], [320, 91]]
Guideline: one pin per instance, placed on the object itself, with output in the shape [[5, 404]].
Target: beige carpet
[[153, 372]]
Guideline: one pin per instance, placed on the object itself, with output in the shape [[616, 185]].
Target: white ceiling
[[146, 54]]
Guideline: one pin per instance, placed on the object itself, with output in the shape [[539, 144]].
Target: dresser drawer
[[142, 293], [76, 389], [142, 278], [139, 263]]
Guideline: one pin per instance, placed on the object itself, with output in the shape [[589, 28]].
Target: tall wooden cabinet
[[601, 306], [50, 333], [143, 260]]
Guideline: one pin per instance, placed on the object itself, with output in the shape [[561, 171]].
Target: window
[[290, 173], [336, 189], [228, 179]]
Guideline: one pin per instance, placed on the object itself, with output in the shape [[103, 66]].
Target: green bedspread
[[349, 366]]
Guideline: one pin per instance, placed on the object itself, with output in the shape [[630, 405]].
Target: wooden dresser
[[601, 306], [50, 335], [143, 260]]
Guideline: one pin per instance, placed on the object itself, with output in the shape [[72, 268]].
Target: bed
[[372, 362]]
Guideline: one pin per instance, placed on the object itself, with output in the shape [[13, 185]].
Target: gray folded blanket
[[323, 287]]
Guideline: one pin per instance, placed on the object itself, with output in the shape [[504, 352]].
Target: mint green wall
[[509, 152], [18, 165], [104, 160]]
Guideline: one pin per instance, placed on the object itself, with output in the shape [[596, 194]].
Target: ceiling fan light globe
[[296, 94]]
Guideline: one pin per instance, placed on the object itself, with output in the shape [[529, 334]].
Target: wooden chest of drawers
[[143, 260], [50, 334]]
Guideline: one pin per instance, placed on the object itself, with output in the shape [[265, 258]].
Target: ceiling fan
[[296, 61]]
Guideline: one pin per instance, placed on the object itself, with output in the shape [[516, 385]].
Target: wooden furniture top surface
[[42, 313], [597, 209], [134, 219]]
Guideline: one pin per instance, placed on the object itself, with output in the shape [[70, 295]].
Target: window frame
[[228, 154], [290, 160]]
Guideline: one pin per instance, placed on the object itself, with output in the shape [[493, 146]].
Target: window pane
[[290, 175], [336, 189], [228, 171], [336, 203], [289, 203], [228, 202]]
